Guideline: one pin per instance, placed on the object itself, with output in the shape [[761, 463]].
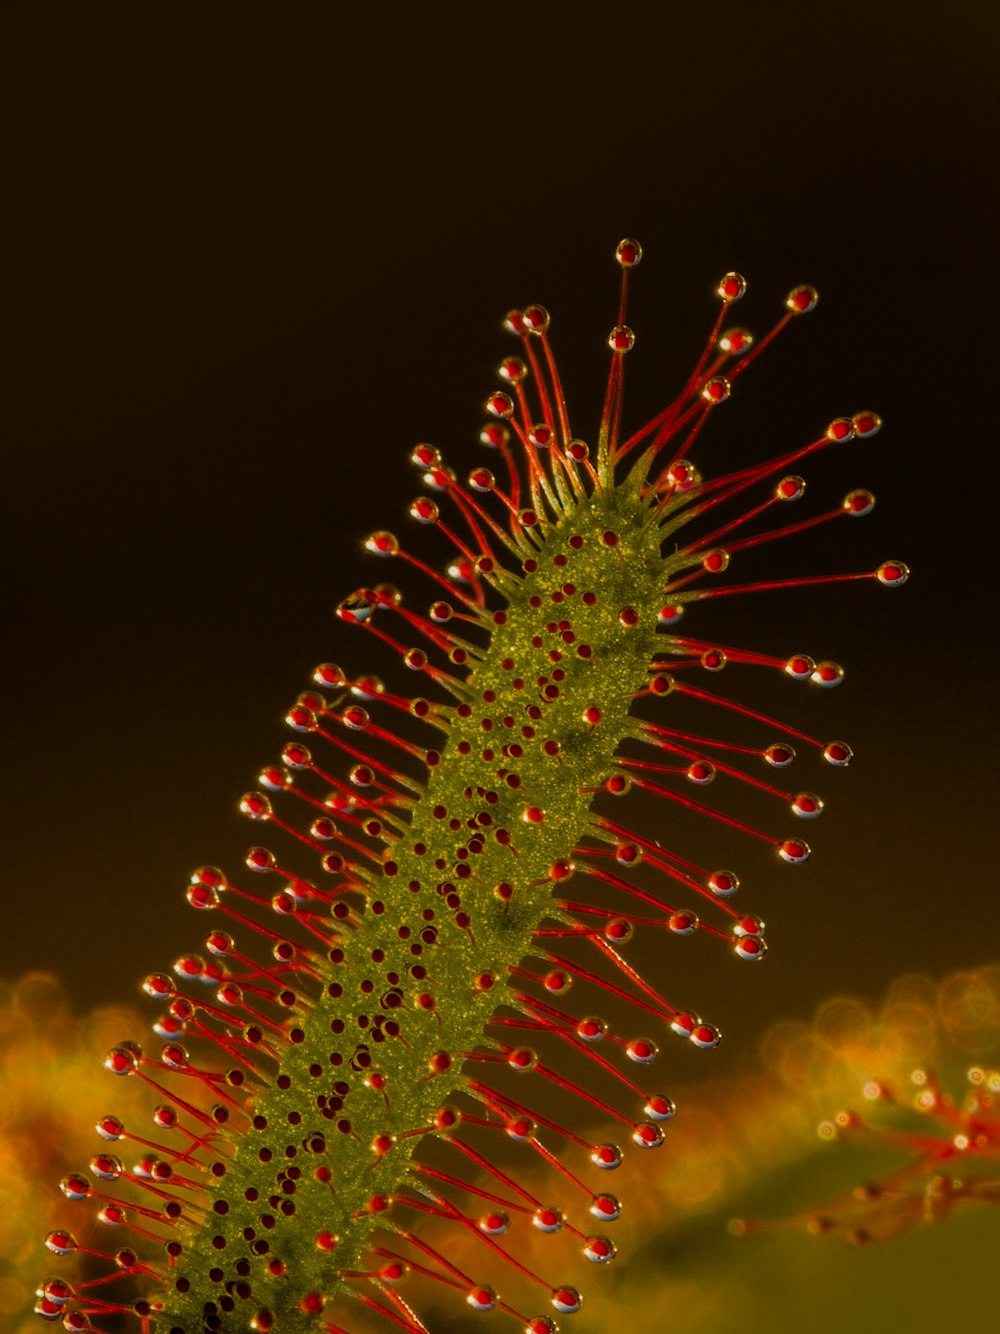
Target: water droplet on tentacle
[[807, 806], [547, 1219], [734, 342], [800, 667], [599, 1249], [716, 390], [866, 424], [838, 753], [827, 674], [621, 339], [628, 253], [659, 1107], [607, 1157], [892, 573], [802, 299], [750, 947], [481, 1298], [61, 1242], [607, 1208], [779, 755], [647, 1135], [566, 1300], [642, 1051], [541, 1324], [794, 851], [723, 883], [731, 287]]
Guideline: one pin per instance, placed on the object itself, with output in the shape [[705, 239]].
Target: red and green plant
[[408, 993]]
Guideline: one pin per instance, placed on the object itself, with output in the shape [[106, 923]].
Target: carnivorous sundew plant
[[418, 978]]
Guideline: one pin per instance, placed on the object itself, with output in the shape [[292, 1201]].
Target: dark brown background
[[254, 252]]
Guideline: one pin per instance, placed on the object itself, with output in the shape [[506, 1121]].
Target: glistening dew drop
[[375, 1057]]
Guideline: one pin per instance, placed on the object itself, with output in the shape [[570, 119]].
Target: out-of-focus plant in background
[[53, 1089], [747, 1146], [755, 1147]]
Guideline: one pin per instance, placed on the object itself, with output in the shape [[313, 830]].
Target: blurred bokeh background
[[253, 253]]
